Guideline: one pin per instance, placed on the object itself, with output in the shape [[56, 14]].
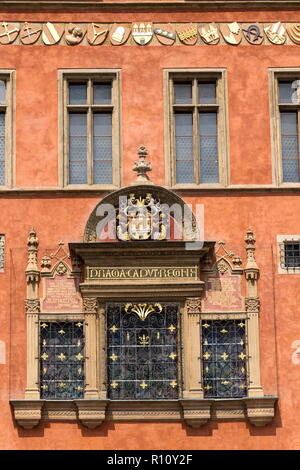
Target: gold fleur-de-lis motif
[[44, 325], [173, 384], [143, 385], [241, 342], [44, 356], [206, 325], [206, 355], [225, 382], [242, 369], [62, 384], [224, 331], [242, 386], [79, 343], [44, 387], [144, 339], [158, 335], [114, 328], [44, 370], [172, 356], [205, 342], [143, 310], [127, 336], [79, 388], [224, 356], [61, 356], [113, 357], [62, 332], [79, 324], [171, 328], [114, 384], [242, 355], [241, 324], [207, 387], [79, 356], [79, 370], [44, 342], [206, 369]]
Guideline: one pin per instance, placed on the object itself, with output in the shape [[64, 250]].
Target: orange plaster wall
[[227, 216]]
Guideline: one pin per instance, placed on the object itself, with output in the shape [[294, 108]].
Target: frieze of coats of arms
[[144, 33]]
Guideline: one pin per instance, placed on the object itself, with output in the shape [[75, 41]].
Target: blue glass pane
[[285, 92], [209, 171], [2, 125], [2, 170], [289, 146], [77, 172], [207, 123], [102, 93], [183, 93], [289, 123], [77, 93], [208, 142], [102, 171], [78, 149], [183, 124], [78, 125], [184, 172], [207, 93], [102, 124], [102, 148], [2, 92], [290, 170], [184, 148]]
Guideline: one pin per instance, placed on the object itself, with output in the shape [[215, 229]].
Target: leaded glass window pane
[[207, 93], [184, 147], [77, 93], [2, 148], [102, 93], [78, 148], [183, 93], [142, 351], [292, 254], [224, 358], [102, 148], [209, 168], [61, 360], [289, 146], [2, 92], [286, 92]]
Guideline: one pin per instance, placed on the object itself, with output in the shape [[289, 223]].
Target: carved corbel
[[91, 413], [27, 413], [90, 304], [193, 305], [196, 413], [252, 304], [260, 411], [32, 305]]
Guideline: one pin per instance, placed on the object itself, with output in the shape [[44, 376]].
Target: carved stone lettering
[[61, 295], [223, 292]]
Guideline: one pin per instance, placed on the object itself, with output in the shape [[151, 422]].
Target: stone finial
[[32, 244], [251, 266], [142, 167]]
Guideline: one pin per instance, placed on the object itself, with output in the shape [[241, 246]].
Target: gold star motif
[[79, 356], [61, 356], [242, 386], [113, 357], [242, 324], [78, 342], [44, 387], [206, 369], [44, 370], [79, 388], [61, 384], [44, 325], [79, 370], [242, 355], [243, 369], [171, 328], [44, 342], [224, 331], [114, 384], [173, 384], [143, 385], [207, 387], [44, 356], [205, 342], [206, 325], [225, 382], [206, 355], [224, 356], [62, 332], [114, 328], [241, 342], [79, 324], [172, 356]]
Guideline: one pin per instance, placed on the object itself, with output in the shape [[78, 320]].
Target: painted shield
[[209, 33], [74, 33], [119, 34], [142, 33], [30, 32], [276, 33], [52, 33], [253, 34], [231, 32], [8, 32], [96, 33], [165, 33], [294, 32], [187, 33]]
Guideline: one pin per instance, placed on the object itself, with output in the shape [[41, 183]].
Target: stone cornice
[[200, 5]]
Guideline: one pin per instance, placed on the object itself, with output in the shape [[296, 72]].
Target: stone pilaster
[[90, 307]]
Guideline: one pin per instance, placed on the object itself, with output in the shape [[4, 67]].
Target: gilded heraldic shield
[[209, 33], [276, 33], [253, 34], [8, 32], [96, 33], [165, 33], [119, 34], [74, 34], [231, 32], [294, 32], [30, 32], [142, 33], [187, 34], [52, 33]]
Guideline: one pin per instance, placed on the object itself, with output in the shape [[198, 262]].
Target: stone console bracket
[[194, 412]]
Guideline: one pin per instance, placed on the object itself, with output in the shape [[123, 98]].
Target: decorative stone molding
[[142, 167], [32, 306], [90, 304], [252, 304], [46, 264], [27, 413], [32, 272], [2, 252], [193, 305], [196, 413], [91, 413], [260, 411], [251, 269]]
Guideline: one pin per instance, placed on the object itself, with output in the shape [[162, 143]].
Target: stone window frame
[[64, 76], [9, 109], [276, 74], [280, 239], [220, 75], [2, 252]]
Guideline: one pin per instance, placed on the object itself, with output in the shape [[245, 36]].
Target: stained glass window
[[142, 351], [224, 358], [61, 360]]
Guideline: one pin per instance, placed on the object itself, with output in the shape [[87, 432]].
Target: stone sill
[[194, 412]]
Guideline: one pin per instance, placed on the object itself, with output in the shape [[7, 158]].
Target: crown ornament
[[142, 167]]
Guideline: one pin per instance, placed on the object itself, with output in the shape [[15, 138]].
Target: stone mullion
[[91, 320], [32, 388], [102, 354]]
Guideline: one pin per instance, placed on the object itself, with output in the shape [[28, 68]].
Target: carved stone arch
[[190, 228]]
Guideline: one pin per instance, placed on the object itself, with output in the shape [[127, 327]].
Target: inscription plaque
[[223, 292], [148, 272], [61, 295]]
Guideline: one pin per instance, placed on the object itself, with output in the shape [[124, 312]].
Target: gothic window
[[224, 358], [91, 123], [197, 127], [142, 342], [61, 360]]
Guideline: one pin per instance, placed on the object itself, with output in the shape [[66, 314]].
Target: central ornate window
[[142, 351]]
